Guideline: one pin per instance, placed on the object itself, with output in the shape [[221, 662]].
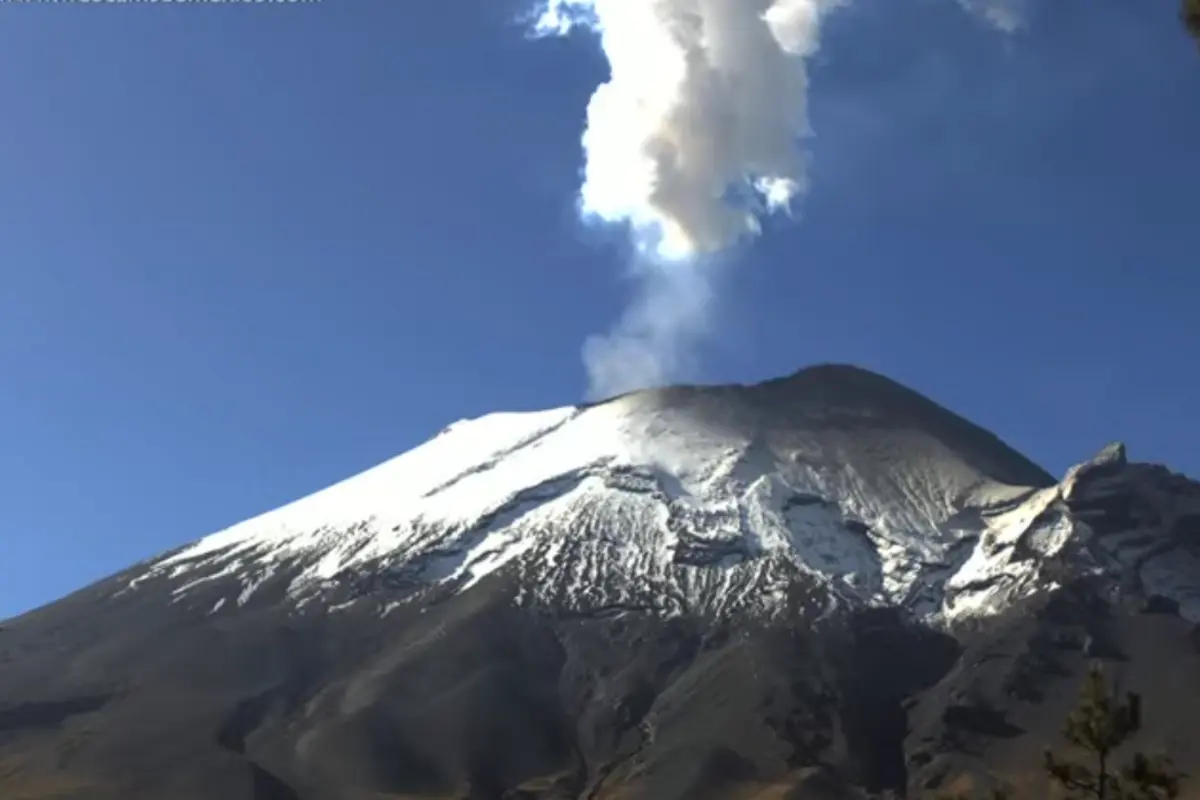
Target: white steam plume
[[697, 132], [656, 339], [696, 137]]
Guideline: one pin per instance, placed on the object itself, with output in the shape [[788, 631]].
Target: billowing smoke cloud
[[697, 131], [697, 136]]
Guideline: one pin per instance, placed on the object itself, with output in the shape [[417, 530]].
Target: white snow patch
[[672, 501]]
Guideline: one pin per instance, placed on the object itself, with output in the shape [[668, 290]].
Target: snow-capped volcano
[[824, 585], [714, 500]]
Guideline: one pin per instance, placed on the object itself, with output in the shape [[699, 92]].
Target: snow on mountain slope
[[712, 500], [1137, 524]]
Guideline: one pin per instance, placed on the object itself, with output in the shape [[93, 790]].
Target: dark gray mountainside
[[822, 586]]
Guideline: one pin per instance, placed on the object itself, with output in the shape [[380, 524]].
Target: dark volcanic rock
[[473, 694], [1157, 604], [476, 697]]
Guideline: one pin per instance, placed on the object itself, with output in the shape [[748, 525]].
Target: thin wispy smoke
[[1006, 15], [697, 136], [656, 339]]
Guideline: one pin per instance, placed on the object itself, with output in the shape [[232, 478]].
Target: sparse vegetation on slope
[[1098, 726]]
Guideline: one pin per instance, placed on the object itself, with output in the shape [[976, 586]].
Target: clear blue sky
[[246, 251]]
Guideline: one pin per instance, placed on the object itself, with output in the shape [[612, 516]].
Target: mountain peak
[[803, 550], [834, 372], [836, 482]]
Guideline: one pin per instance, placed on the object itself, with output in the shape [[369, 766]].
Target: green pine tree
[[1098, 726]]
